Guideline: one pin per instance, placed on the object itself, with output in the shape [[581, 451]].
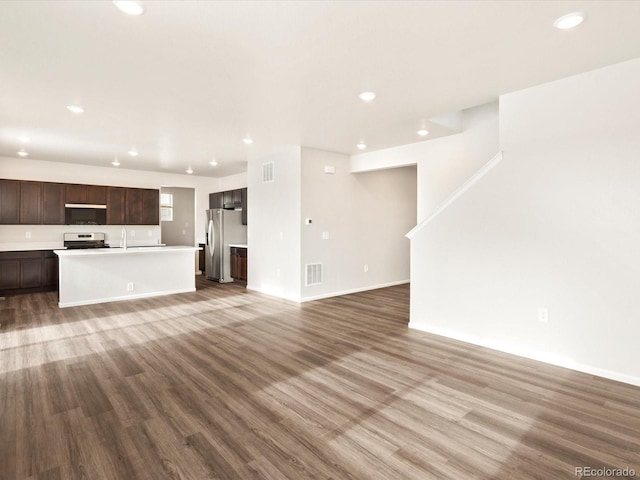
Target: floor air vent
[[267, 172], [314, 274]]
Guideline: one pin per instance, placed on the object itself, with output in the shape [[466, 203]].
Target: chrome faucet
[[124, 238]]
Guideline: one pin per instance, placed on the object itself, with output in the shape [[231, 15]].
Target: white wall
[[366, 216], [273, 225], [231, 182], [556, 224], [29, 169], [443, 163]]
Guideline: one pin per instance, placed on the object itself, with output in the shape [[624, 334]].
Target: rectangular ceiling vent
[[313, 274], [267, 172]]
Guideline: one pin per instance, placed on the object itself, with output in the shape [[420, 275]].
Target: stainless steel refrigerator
[[224, 227]]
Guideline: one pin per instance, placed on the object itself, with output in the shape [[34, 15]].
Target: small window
[[166, 207]]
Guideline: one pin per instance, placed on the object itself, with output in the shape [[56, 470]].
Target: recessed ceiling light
[[130, 7], [213, 163], [422, 132], [569, 21], [22, 153], [247, 140], [361, 146], [115, 162], [133, 152], [367, 96], [75, 109], [189, 170], [24, 139]]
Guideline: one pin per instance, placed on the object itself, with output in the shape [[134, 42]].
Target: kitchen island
[[111, 274]]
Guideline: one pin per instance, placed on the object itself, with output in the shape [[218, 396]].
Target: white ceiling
[[187, 80]]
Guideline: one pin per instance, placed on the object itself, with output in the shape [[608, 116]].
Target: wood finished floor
[[229, 384]]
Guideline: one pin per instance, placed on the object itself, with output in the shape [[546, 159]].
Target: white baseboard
[[326, 295], [538, 355], [125, 297], [353, 290]]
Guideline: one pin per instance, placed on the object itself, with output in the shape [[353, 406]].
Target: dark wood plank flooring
[[228, 384]]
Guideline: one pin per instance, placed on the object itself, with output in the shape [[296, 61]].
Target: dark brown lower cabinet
[[238, 262], [49, 269], [28, 271], [9, 274], [31, 273], [201, 262]]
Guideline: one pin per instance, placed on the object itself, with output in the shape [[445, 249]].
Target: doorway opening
[[177, 213]]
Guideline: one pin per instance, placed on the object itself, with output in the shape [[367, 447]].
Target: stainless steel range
[[84, 240]]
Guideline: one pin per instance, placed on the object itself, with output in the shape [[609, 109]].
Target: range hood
[[85, 205], [233, 206], [85, 214]]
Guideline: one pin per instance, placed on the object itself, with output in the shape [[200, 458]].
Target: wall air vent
[[267, 172], [313, 274]]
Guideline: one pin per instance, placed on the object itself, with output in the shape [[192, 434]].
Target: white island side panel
[[97, 276]]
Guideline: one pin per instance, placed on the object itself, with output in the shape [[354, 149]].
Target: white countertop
[[28, 246], [122, 251], [134, 244], [238, 245]]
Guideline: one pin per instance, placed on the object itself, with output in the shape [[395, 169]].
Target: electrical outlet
[[132, 233], [27, 234], [543, 315], [366, 267], [150, 233], [130, 287], [325, 235]]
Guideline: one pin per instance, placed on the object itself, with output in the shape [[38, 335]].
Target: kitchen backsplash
[[37, 234]]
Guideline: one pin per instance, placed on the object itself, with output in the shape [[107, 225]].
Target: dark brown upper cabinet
[[133, 215], [96, 195], [87, 194], [150, 207], [53, 195], [216, 200], [142, 206], [9, 202], [76, 194], [244, 206], [27, 202], [116, 210], [30, 203], [232, 197]]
